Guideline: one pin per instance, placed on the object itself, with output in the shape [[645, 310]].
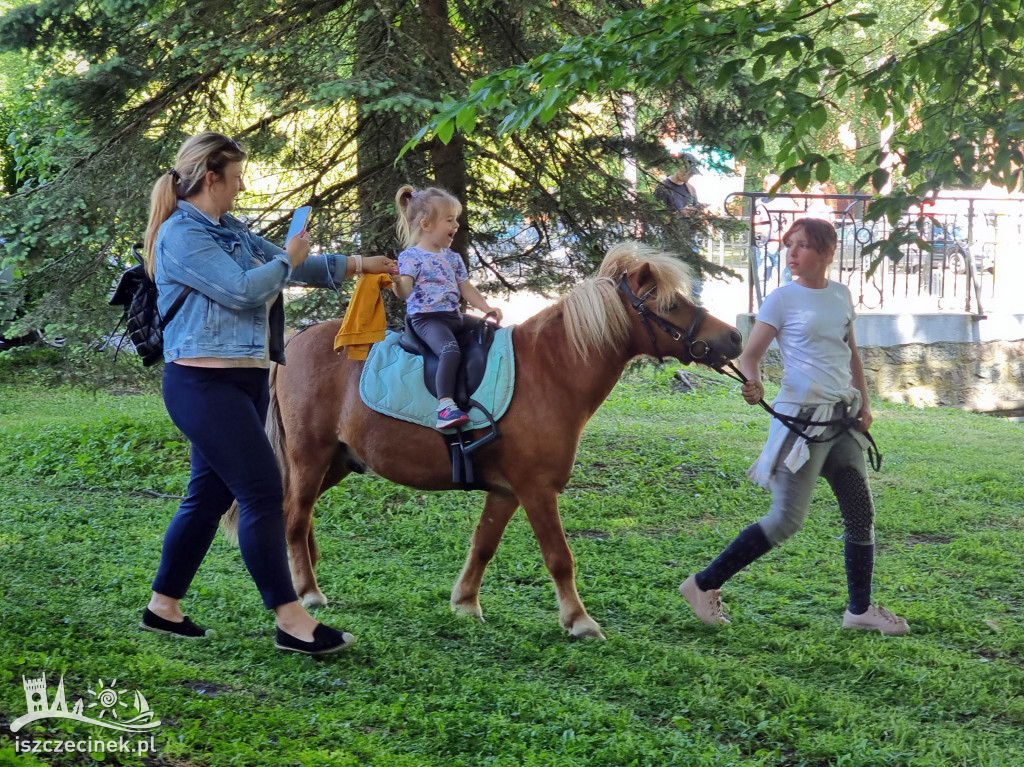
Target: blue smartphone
[[299, 220]]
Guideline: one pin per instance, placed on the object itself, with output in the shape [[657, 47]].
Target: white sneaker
[[706, 604], [877, 619]]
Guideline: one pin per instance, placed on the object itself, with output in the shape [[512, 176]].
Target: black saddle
[[475, 341]]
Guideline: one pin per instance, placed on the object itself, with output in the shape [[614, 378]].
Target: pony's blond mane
[[595, 317]]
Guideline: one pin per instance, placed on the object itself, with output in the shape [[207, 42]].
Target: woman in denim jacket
[[220, 346]]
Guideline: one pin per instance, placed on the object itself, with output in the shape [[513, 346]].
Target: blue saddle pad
[[392, 382]]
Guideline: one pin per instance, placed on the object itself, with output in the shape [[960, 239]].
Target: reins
[[794, 423]]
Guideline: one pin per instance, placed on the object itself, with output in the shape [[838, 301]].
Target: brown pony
[[567, 359]]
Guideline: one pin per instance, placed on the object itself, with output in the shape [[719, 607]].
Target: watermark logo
[[104, 706]]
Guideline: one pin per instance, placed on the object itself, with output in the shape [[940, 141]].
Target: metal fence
[[965, 241]]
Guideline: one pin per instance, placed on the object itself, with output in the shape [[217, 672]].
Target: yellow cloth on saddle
[[365, 320]]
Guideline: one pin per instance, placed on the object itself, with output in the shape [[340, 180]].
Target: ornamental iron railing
[[955, 268]]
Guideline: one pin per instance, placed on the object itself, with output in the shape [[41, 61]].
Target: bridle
[[696, 348]]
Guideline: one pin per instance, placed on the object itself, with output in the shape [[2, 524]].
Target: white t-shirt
[[813, 335]]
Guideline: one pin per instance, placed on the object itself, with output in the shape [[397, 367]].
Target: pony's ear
[[641, 279]]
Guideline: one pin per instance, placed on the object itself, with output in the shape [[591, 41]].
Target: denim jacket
[[235, 274]]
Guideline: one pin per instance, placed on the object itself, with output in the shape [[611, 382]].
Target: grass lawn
[[659, 488]]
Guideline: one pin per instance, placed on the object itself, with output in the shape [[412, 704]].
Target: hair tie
[[414, 193], [173, 173]]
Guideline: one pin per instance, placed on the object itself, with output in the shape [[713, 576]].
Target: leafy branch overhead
[[324, 96], [536, 106], [951, 96]]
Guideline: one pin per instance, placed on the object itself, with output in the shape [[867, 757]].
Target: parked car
[[950, 247], [945, 240]]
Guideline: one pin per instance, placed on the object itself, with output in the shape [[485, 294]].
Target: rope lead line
[[793, 423]]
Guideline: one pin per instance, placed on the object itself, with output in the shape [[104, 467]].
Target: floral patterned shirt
[[435, 279]]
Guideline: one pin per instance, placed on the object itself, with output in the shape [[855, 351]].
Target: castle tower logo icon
[[104, 706]]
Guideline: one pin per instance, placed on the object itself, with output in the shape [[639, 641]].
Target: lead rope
[[790, 422]]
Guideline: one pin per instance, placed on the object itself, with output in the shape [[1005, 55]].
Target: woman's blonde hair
[[415, 205], [197, 156]]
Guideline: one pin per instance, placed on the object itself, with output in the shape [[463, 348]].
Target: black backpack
[[137, 293]]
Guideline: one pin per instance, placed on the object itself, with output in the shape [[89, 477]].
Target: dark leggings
[[841, 462], [222, 412], [440, 331]]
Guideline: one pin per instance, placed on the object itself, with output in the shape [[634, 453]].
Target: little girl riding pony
[[432, 279]]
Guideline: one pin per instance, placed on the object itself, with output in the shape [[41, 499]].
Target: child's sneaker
[[877, 619], [706, 604], [450, 418]]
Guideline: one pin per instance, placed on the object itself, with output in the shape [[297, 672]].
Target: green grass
[[658, 489]]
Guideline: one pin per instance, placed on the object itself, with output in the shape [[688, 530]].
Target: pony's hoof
[[472, 610], [314, 599], [587, 629]]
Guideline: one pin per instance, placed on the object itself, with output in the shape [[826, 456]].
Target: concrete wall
[[949, 359]]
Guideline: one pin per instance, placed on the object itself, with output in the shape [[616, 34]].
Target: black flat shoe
[[186, 629], [325, 641]]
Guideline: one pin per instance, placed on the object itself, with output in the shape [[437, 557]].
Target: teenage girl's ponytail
[[197, 156]]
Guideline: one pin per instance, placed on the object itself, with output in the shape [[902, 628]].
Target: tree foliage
[[533, 116], [324, 95], [946, 78]]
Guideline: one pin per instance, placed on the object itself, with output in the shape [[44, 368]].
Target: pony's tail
[[275, 433]]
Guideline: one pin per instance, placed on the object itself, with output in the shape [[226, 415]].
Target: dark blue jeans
[[222, 412]]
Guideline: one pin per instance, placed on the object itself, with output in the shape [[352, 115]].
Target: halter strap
[[691, 344]]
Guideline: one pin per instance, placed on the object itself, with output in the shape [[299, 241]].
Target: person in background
[[679, 195], [767, 246], [773, 217], [676, 191], [817, 206], [812, 320], [218, 352]]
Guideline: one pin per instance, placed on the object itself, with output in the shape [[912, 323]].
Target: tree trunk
[[381, 136], [448, 160]]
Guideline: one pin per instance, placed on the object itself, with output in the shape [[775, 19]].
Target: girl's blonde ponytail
[[415, 205], [404, 226]]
